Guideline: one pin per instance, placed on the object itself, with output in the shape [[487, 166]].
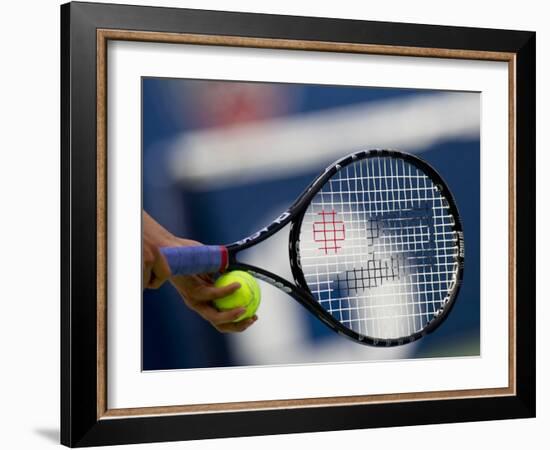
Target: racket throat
[[264, 275]]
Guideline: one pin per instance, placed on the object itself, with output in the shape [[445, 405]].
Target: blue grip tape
[[195, 260]]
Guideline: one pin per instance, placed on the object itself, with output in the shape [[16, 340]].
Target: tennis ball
[[247, 296]]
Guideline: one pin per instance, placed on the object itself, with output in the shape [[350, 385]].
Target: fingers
[[198, 294], [208, 293], [160, 271], [215, 317], [223, 320], [148, 262], [146, 275], [206, 277], [236, 327]]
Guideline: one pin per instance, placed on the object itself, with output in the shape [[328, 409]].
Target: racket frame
[[295, 214]]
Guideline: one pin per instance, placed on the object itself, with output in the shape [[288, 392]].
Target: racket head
[[379, 246]]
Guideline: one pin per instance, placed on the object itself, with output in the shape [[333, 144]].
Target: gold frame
[[103, 36]]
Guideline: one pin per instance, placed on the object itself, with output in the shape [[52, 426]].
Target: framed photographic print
[[277, 224]]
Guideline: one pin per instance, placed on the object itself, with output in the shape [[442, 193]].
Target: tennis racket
[[376, 249]]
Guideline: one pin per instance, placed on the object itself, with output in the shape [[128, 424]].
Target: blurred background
[[223, 159]]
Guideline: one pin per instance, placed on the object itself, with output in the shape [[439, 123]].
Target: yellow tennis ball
[[247, 296]]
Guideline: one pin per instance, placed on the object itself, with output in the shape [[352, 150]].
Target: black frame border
[[79, 423]]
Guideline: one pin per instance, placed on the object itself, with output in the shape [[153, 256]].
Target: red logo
[[329, 231]]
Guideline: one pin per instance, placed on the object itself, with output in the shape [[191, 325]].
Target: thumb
[[160, 271]]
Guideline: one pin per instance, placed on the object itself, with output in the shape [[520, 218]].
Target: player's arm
[[197, 291]]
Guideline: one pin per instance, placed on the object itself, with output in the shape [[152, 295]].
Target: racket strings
[[378, 248]]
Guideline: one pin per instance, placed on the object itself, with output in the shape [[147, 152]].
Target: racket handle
[[195, 259]]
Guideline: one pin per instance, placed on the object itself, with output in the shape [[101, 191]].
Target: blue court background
[[174, 337]]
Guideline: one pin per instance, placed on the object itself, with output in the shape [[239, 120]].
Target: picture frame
[[86, 29]]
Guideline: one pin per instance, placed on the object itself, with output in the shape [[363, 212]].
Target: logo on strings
[[329, 231]]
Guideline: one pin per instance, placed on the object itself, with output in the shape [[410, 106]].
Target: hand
[[155, 268], [198, 292]]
